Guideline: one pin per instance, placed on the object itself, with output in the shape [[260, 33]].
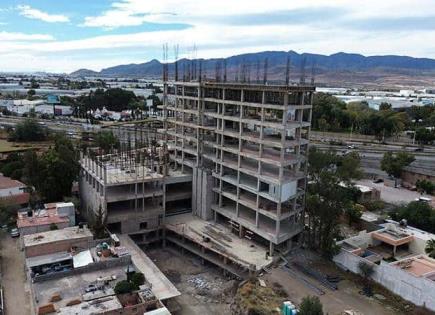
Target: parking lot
[[16, 291]]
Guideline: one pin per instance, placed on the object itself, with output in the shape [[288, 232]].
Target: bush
[[311, 306], [137, 279], [124, 286]]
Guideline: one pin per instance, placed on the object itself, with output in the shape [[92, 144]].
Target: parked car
[[14, 232], [378, 180]]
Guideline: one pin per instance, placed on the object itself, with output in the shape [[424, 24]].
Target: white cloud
[[7, 36], [31, 13], [217, 33]]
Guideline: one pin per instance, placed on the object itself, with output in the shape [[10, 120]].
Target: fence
[[417, 290]]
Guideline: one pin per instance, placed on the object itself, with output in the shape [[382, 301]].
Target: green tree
[[30, 94], [417, 213], [107, 141], [34, 84], [393, 164], [385, 106], [8, 214], [425, 186], [424, 135], [123, 287], [57, 170], [138, 279], [327, 197], [353, 213], [430, 248], [99, 224], [29, 130], [310, 305]]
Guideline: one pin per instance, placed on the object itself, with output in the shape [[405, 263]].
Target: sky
[[66, 35]]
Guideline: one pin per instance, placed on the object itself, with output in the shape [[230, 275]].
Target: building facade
[[246, 147]]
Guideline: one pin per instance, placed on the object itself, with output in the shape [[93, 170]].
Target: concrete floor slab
[[239, 249]]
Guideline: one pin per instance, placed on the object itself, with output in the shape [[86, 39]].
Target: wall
[[411, 178], [41, 228], [56, 246], [417, 290], [117, 262], [202, 193], [89, 198]]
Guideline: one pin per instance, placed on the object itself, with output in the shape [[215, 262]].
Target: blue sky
[[64, 35]]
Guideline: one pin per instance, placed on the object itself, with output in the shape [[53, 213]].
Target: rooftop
[[40, 217], [7, 182], [69, 233], [72, 288], [419, 266]]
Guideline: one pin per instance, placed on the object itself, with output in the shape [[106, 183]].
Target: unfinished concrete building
[[245, 146], [133, 189]]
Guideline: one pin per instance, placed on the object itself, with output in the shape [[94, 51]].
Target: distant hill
[[337, 69], [84, 73]]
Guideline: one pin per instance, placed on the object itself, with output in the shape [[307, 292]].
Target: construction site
[[221, 175]]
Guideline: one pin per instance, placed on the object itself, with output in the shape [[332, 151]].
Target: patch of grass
[[255, 299]]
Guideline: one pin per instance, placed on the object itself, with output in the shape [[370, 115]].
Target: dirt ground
[[203, 288], [16, 290], [347, 297]]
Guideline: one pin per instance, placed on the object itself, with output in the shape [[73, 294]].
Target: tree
[[424, 135], [107, 141], [366, 270], [430, 248], [385, 106], [417, 213], [310, 306], [30, 94], [137, 279], [8, 214], [99, 225], [58, 168], [123, 287], [394, 164], [353, 213], [327, 197], [425, 186], [34, 84], [28, 130]]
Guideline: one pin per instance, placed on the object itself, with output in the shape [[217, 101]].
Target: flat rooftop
[[162, 288], [419, 266], [73, 287], [393, 237], [238, 249], [106, 304], [69, 233], [40, 217]]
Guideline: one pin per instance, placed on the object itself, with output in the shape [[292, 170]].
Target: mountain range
[[340, 69]]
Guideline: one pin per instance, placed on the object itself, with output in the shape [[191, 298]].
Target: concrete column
[[271, 248]]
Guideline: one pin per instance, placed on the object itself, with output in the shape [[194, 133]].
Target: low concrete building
[[410, 175], [52, 216], [56, 241], [398, 258]]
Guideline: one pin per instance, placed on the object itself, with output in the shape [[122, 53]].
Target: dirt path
[[14, 282]]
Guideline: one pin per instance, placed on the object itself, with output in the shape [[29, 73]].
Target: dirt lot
[[14, 283], [204, 289], [347, 297]]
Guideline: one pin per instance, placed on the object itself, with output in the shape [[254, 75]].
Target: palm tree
[[430, 248]]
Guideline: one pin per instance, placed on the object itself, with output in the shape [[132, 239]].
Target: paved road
[[14, 283]]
